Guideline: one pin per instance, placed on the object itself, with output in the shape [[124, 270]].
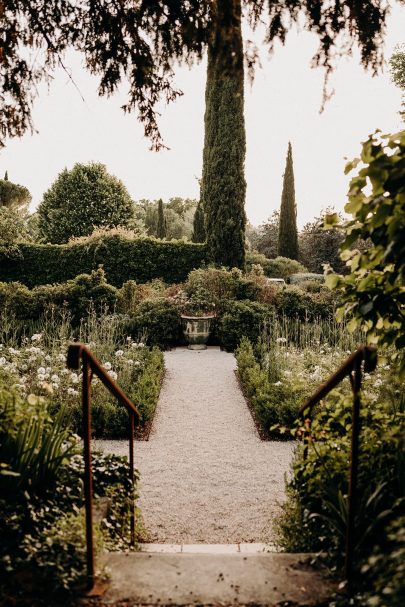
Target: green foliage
[[12, 231], [223, 181], [14, 197], [397, 69], [140, 259], [267, 241], [294, 301], [33, 447], [161, 228], [82, 199], [288, 233], [77, 296], [158, 320], [178, 213], [243, 319], [280, 267], [373, 293], [316, 513], [318, 246], [274, 403], [302, 277], [145, 392], [199, 233]]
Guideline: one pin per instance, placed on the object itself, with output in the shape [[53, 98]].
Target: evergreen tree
[[288, 233], [161, 229], [199, 233], [223, 181], [6, 176], [82, 199]]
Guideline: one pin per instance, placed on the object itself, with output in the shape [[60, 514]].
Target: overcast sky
[[282, 105]]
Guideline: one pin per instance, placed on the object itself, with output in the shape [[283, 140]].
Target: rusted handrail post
[[351, 368], [90, 365]]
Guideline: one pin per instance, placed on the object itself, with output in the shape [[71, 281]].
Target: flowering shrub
[[278, 377], [36, 368]]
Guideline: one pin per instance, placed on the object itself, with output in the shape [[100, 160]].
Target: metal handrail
[[351, 368], [91, 366]]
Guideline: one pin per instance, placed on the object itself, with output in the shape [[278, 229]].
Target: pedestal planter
[[196, 330]]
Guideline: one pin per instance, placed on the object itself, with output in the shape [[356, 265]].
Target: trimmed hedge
[[123, 259]]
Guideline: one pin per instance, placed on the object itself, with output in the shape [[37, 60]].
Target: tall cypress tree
[[6, 176], [161, 228], [223, 181], [199, 234], [288, 233]]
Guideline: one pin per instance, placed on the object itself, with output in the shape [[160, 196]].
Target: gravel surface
[[205, 474]]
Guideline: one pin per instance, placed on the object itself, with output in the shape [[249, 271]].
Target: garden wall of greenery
[[140, 259]]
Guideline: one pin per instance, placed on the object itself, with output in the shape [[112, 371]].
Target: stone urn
[[196, 330]]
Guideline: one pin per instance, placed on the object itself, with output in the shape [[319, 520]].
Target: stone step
[[204, 578]]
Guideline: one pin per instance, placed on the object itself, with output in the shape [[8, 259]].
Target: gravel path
[[205, 474]]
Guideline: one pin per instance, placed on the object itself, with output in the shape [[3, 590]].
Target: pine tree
[[288, 233], [223, 181], [199, 234], [6, 176], [161, 229]]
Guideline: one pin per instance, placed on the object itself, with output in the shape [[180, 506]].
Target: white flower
[[34, 350], [65, 371], [2, 361], [129, 339], [41, 371], [281, 340], [113, 375], [278, 383], [130, 361], [36, 337], [378, 383], [55, 385], [61, 357], [107, 366], [55, 378], [72, 391], [119, 353], [47, 358], [74, 378], [41, 376], [137, 363]]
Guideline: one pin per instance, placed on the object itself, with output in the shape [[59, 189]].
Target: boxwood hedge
[[140, 259]]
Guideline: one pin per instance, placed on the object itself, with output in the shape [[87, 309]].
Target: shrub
[[81, 199], [316, 513], [146, 391], [123, 259], [293, 301], [242, 319], [77, 296], [132, 294], [157, 321], [298, 278], [280, 267], [275, 402]]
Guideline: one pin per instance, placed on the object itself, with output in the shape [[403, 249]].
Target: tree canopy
[[82, 199], [397, 68], [14, 197], [139, 43]]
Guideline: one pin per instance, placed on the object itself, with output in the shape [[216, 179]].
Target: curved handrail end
[[73, 356]]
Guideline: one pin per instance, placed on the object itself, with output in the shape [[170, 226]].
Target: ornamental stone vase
[[196, 330]]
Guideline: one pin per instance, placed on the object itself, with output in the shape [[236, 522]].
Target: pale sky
[[283, 104]]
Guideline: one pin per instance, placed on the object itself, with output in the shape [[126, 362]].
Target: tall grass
[[314, 335]]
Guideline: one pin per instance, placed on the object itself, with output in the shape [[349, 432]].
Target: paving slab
[[214, 579]]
